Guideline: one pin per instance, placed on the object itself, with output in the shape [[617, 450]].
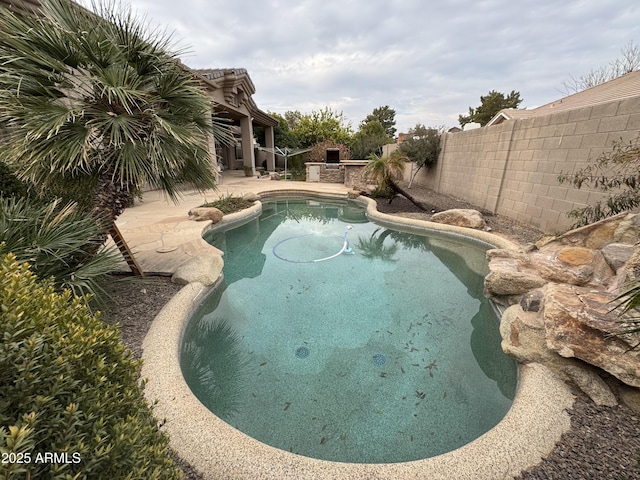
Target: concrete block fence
[[512, 168]]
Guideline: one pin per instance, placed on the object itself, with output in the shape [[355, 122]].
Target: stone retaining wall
[[512, 168]]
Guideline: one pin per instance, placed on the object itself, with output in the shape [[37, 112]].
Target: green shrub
[[68, 385]]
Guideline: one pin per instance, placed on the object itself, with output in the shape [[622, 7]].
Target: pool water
[[387, 352]]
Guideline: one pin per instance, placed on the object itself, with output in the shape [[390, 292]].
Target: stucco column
[[270, 144], [246, 131], [213, 158]]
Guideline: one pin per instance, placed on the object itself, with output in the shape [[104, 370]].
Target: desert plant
[[69, 387], [57, 241], [228, 204], [10, 184], [627, 305], [98, 96], [615, 172], [385, 171]]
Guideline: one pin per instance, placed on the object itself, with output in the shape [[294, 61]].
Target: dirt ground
[[433, 202], [603, 443]]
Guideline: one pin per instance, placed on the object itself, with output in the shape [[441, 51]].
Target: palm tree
[[373, 247], [98, 100], [387, 171]]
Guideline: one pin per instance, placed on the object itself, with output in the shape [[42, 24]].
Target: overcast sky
[[430, 61]]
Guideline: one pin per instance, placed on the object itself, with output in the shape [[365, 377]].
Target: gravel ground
[[602, 444]]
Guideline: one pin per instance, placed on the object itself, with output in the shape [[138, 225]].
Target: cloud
[[430, 62]]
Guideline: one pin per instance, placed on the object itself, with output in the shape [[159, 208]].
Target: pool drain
[[379, 359], [302, 352]]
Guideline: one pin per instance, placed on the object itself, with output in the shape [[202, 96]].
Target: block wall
[[512, 168]]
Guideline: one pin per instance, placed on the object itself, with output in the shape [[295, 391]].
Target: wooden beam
[[126, 252]]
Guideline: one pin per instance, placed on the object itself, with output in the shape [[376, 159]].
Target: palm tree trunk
[[109, 201], [396, 188]]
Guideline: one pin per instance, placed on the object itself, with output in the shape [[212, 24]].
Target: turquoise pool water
[[387, 352]]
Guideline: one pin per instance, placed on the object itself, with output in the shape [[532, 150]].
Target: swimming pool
[[388, 354]]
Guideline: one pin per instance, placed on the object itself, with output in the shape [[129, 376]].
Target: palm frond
[[57, 241]]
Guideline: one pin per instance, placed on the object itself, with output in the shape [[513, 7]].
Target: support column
[[271, 145], [213, 157], [246, 131]]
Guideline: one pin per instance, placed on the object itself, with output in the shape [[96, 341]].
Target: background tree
[[369, 139], [321, 125], [629, 61], [422, 146], [283, 135], [490, 105], [386, 116], [99, 98]]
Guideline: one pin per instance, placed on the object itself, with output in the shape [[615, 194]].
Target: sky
[[429, 61]]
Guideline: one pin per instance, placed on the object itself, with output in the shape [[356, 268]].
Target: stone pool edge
[[528, 432]]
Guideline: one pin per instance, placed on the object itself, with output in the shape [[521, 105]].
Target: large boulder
[[460, 217], [579, 323], [251, 197], [568, 264], [505, 282], [202, 214]]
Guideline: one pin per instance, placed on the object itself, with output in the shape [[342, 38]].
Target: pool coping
[[534, 423]]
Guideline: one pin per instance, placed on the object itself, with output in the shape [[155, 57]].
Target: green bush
[[69, 386]]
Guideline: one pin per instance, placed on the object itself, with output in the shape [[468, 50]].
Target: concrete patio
[[161, 235]]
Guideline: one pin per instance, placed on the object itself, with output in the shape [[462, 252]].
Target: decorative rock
[[533, 301], [511, 283], [579, 324], [201, 214], [205, 269], [592, 384], [353, 194], [576, 256], [617, 254], [274, 176], [523, 337], [601, 235], [568, 321], [632, 267], [251, 197], [461, 217], [573, 265], [630, 397], [628, 230]]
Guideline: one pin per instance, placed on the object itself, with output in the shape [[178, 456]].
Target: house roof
[[625, 86], [237, 88]]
